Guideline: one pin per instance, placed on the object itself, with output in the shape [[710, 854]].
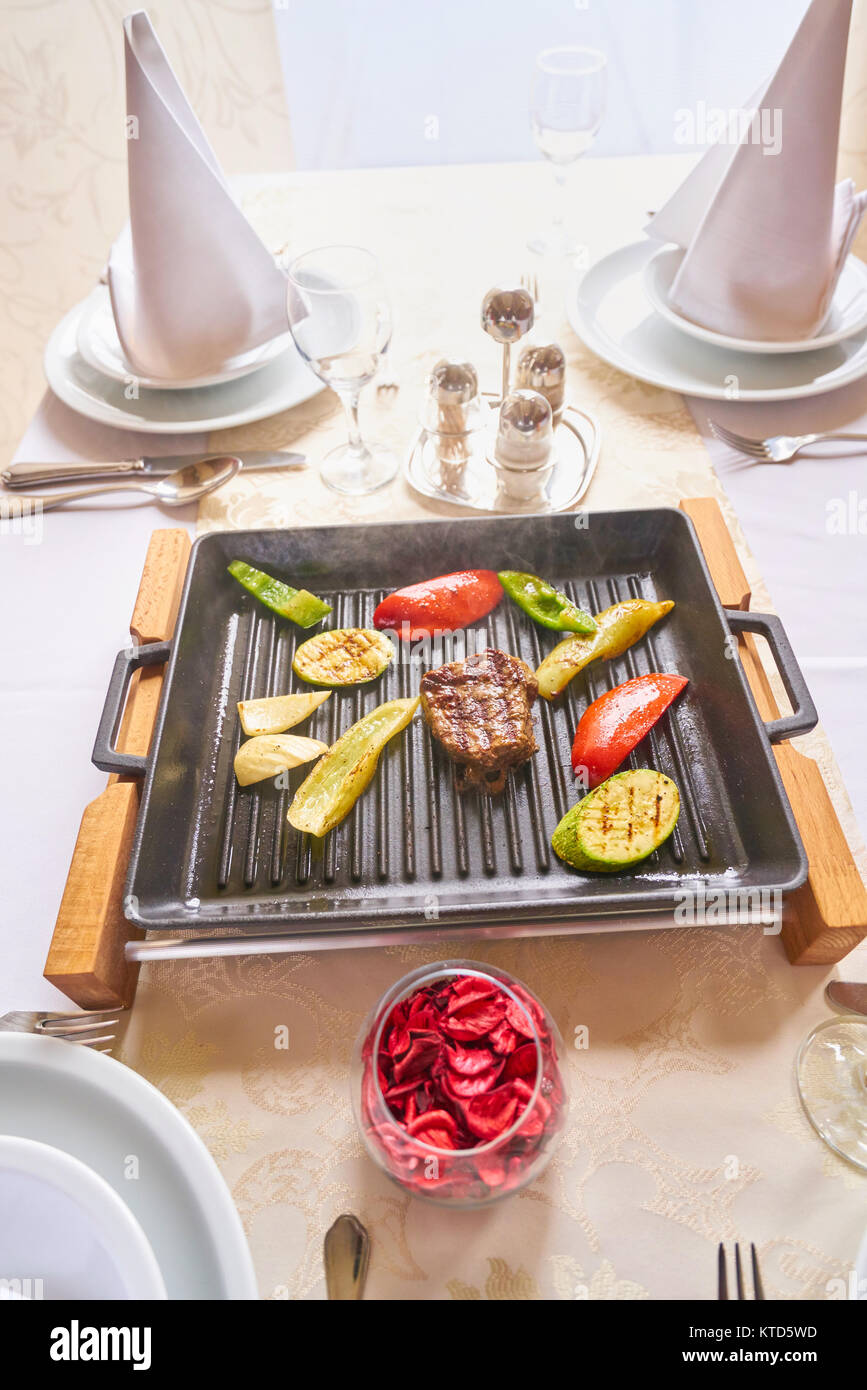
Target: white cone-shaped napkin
[[767, 234], [191, 283]]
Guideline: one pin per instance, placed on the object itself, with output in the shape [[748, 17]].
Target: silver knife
[[26, 474]]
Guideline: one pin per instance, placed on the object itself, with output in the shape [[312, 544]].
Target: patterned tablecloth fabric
[[684, 1127]]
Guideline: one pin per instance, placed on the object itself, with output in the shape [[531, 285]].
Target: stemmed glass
[[567, 103], [340, 317], [831, 1072]]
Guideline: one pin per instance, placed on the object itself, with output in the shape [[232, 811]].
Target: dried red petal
[[463, 1087], [476, 992], [440, 1119], [398, 1041], [437, 1128], [468, 1061], [504, 1038], [423, 1052], [475, 1020], [522, 1062], [399, 1093], [519, 1019], [489, 1115]]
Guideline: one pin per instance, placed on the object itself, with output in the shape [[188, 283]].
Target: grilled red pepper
[[445, 604], [614, 724]]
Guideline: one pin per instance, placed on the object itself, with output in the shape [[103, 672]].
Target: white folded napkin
[[767, 234], [191, 283]]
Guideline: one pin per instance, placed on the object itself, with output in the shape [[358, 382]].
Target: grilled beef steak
[[479, 709]]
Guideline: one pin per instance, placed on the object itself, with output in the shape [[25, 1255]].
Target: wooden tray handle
[[86, 957], [828, 916]]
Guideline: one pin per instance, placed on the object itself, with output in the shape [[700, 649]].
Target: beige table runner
[[684, 1126]]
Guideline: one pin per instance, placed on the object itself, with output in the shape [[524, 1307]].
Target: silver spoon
[[347, 1254], [845, 998], [177, 490], [507, 314]]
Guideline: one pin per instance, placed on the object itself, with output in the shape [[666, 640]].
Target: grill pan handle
[[104, 754], [769, 626]]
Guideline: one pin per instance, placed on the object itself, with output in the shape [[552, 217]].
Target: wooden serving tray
[[824, 919]]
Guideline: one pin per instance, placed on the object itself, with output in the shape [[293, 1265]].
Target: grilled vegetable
[[544, 604], [614, 724], [343, 656], [337, 781], [620, 823], [271, 754], [299, 605], [616, 630], [444, 604], [279, 712]]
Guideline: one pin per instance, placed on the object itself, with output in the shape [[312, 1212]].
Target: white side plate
[[62, 1224], [111, 1119], [847, 315], [99, 345], [609, 311], [284, 382]]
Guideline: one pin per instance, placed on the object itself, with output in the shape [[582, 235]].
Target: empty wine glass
[[831, 1072], [567, 103], [340, 318]]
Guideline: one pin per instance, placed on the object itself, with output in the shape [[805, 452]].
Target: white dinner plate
[[847, 315], [63, 1226], [111, 1119], [97, 342], [282, 383], [609, 311]]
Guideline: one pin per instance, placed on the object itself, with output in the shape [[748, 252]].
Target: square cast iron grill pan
[[208, 853]]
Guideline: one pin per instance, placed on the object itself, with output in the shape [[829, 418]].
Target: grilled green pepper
[[617, 628], [544, 604], [338, 779], [299, 605]]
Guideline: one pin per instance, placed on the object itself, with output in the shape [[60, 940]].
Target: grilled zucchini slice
[[277, 713], [343, 656], [620, 823]]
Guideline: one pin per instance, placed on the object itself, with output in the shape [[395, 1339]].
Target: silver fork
[[722, 1276], [778, 448], [387, 385], [530, 283], [87, 1027]]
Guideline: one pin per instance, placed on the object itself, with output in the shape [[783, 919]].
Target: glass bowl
[[440, 1086]]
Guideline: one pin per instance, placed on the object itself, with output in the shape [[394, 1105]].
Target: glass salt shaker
[[542, 367], [523, 453]]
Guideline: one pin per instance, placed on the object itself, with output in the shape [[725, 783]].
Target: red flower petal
[[440, 1119], [488, 1116], [468, 1061], [476, 992], [475, 1020], [522, 1062], [518, 1017], [504, 1038], [463, 1087], [423, 1052]]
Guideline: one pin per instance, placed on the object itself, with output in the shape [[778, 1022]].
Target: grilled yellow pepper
[[338, 779], [616, 630]]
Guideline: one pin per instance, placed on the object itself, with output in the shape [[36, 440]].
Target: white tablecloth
[[694, 1031]]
